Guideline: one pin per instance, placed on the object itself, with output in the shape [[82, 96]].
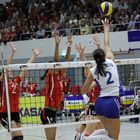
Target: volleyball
[[106, 8]]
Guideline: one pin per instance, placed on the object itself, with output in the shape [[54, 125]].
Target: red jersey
[[66, 84], [14, 91], [1, 93], [93, 94], [53, 97], [32, 87], [23, 87]]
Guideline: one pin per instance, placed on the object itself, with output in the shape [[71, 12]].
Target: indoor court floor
[[129, 131]]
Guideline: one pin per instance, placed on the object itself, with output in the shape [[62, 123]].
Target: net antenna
[[5, 85]]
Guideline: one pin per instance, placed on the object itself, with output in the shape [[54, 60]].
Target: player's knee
[[48, 116], [17, 138]]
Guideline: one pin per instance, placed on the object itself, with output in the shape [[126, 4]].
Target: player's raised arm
[[107, 48], [69, 45], [11, 56], [13, 51], [57, 43], [89, 79], [87, 83], [96, 41], [81, 51], [23, 73]]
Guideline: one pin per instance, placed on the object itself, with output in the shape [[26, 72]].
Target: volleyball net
[[32, 97]]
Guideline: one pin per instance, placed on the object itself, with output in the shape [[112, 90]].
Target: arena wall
[[118, 40]]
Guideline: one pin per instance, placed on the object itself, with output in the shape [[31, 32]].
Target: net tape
[[35, 66], [64, 124], [71, 123]]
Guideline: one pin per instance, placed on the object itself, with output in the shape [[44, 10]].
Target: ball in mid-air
[[106, 8]]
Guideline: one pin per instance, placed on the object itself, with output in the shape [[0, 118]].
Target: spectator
[[84, 28], [32, 87], [136, 106], [66, 82], [40, 33], [24, 87], [55, 15], [132, 22]]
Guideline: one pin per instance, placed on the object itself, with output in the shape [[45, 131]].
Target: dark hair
[[99, 57], [43, 77]]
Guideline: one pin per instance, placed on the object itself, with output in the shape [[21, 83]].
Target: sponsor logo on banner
[[133, 36], [30, 109]]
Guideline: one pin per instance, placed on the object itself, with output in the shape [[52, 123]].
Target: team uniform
[[107, 103], [23, 87], [14, 90], [66, 85], [1, 91], [53, 97], [31, 87], [93, 94]]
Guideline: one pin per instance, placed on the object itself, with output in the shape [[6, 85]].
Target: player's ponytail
[[99, 57]]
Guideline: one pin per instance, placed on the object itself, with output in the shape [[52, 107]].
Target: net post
[[7, 100], [6, 88]]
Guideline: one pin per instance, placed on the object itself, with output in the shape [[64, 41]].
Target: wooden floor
[[129, 131]]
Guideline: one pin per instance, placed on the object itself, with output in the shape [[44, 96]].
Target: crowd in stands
[[29, 19]]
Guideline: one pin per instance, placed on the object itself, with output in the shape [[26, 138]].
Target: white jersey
[[109, 85]]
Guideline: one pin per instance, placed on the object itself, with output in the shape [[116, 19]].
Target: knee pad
[[97, 137], [48, 116], [100, 132], [17, 138]]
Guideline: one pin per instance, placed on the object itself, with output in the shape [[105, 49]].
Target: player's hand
[[69, 40], [80, 49], [106, 24], [96, 41], [36, 51], [12, 45], [57, 38]]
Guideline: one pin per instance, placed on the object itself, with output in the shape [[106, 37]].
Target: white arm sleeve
[[85, 98]]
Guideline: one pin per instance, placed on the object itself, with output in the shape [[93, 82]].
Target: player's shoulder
[[109, 60]]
